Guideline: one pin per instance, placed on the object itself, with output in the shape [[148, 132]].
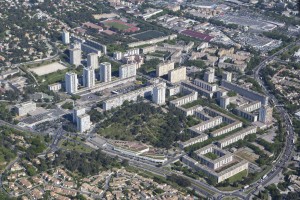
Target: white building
[[240, 135], [205, 85], [77, 112], [127, 70], [71, 82], [227, 76], [83, 123], [209, 77], [105, 72], [224, 101], [66, 37], [176, 75], [118, 55], [193, 96], [265, 114], [159, 94], [88, 77], [24, 108], [164, 68], [202, 137], [55, 87], [92, 60], [75, 56], [205, 125]]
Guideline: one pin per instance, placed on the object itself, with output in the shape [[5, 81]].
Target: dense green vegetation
[[254, 61], [196, 63], [143, 122], [149, 66], [13, 141], [67, 105], [85, 163], [255, 85], [183, 182], [278, 36], [5, 114]]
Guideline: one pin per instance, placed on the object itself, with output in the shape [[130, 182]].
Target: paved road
[[287, 151], [4, 123]]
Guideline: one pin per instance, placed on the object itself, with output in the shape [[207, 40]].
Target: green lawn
[[238, 176], [117, 25], [53, 77], [73, 146], [211, 156], [116, 131]]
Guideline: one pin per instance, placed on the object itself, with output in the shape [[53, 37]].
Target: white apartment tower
[[159, 95], [127, 70], [88, 77], [77, 112], [92, 60], [75, 56], [227, 76], [105, 72], [71, 82], [209, 77], [83, 123], [66, 37]]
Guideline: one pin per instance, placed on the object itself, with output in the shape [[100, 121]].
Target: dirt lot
[[47, 69], [247, 154]]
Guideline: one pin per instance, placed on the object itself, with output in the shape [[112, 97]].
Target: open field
[[74, 146], [105, 15], [245, 154], [117, 25], [47, 69], [147, 35]]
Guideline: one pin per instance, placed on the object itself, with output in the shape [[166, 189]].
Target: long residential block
[[250, 94], [200, 90], [189, 111], [236, 136], [205, 85], [203, 126], [131, 96], [250, 107], [201, 138], [226, 129], [202, 115], [185, 99], [247, 115], [219, 176], [223, 157], [214, 113]]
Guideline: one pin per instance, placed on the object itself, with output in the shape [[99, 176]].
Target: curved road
[[287, 151]]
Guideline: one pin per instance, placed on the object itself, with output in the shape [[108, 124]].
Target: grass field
[[74, 146], [117, 25], [238, 176], [121, 132]]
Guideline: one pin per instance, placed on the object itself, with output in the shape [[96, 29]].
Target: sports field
[[117, 25], [47, 69], [147, 35]]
